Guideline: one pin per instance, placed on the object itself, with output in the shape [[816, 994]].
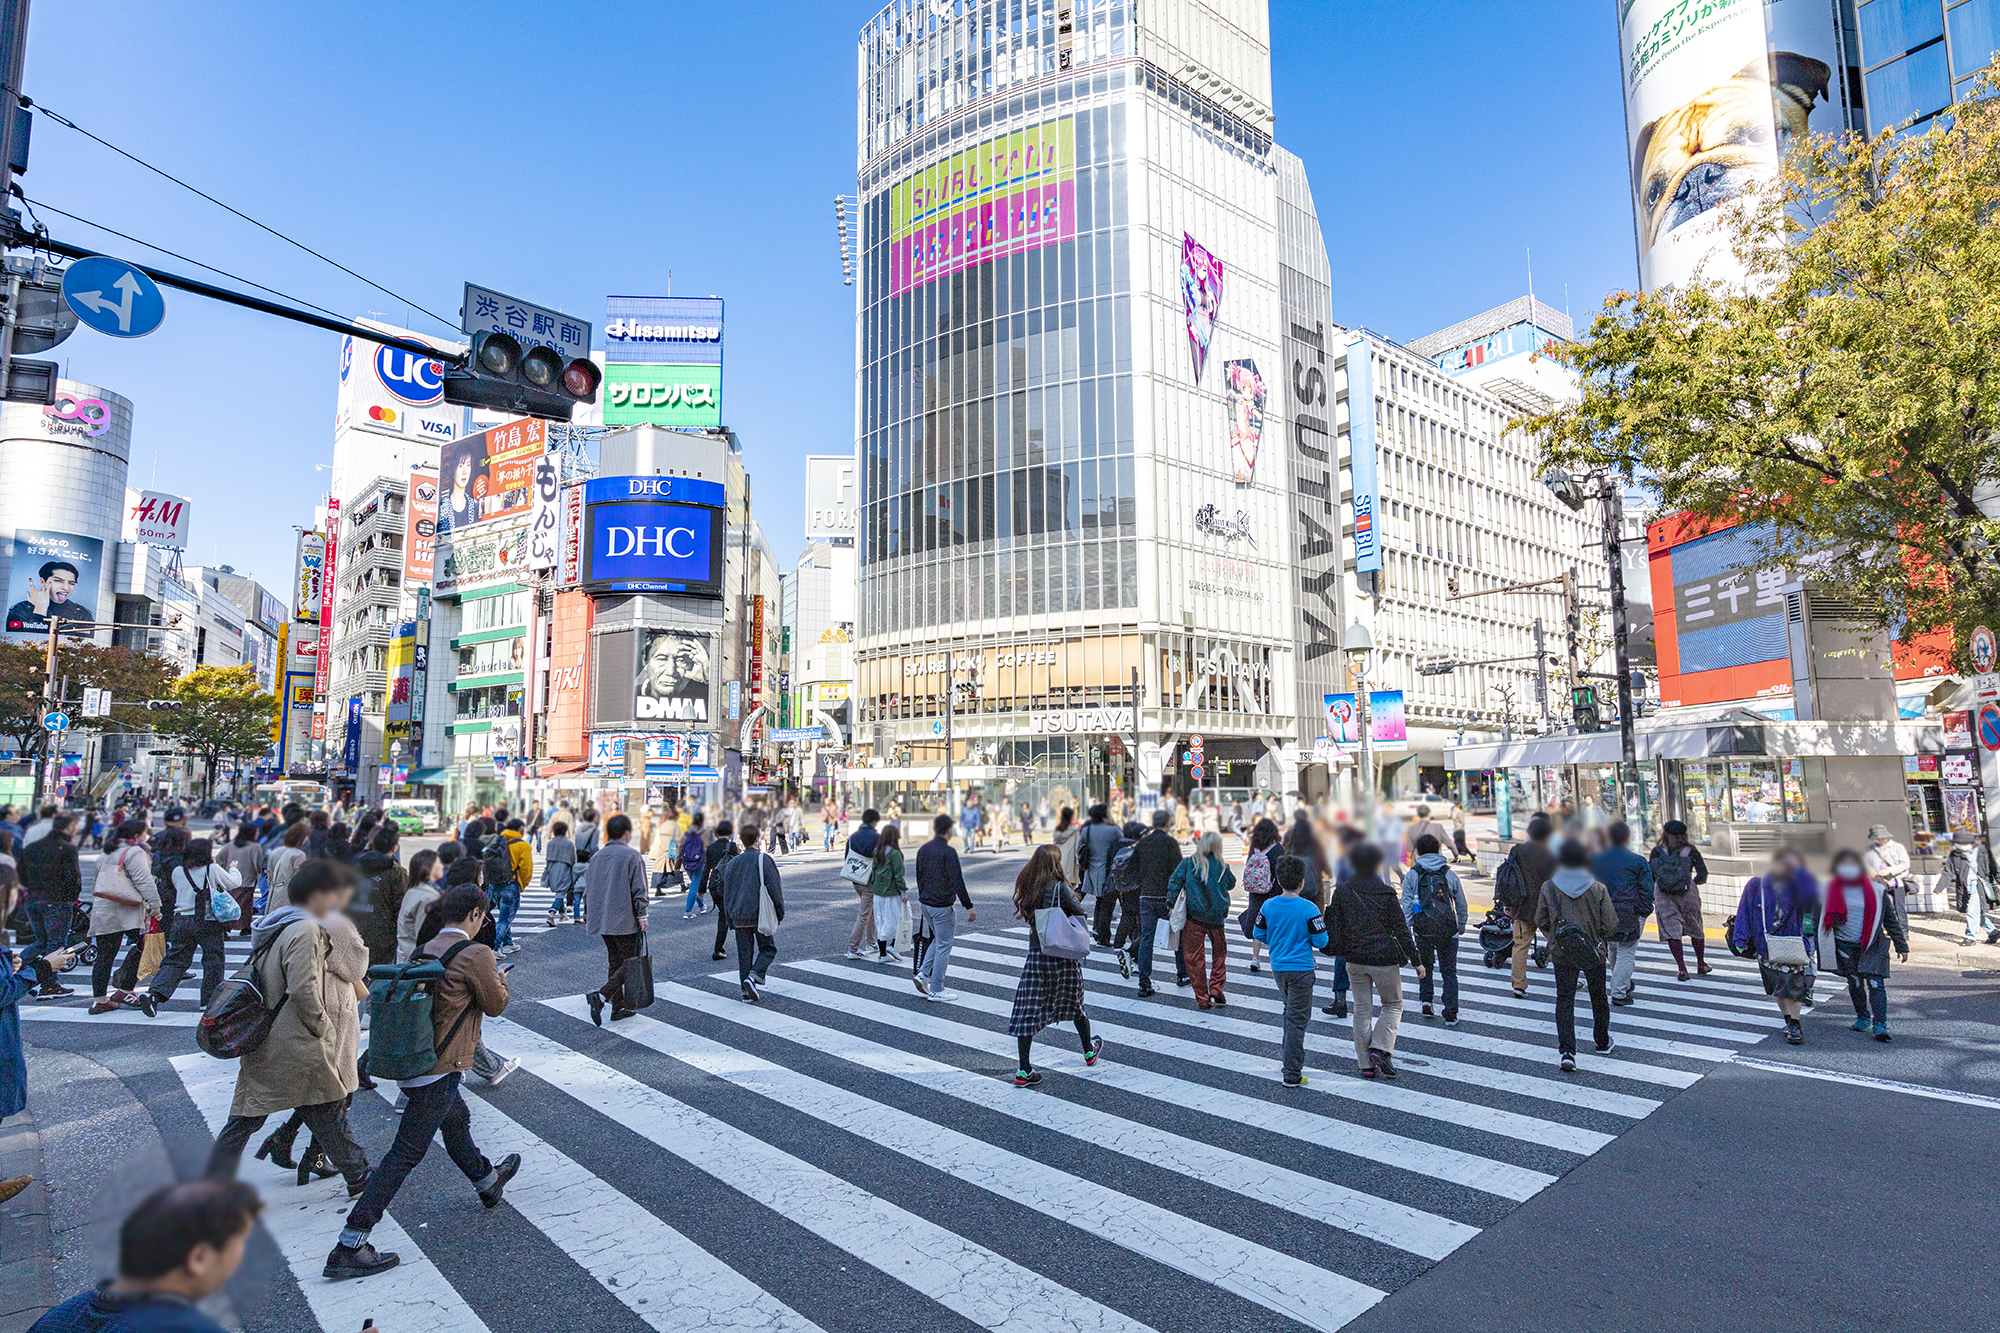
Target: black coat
[[49, 870], [378, 898], [1366, 926], [940, 877], [1153, 864]]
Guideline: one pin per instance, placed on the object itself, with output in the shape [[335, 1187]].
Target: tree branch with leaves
[[221, 714]]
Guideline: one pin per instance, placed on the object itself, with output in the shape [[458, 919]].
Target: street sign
[[488, 311], [90, 285], [1982, 649], [41, 320], [1986, 685], [56, 721], [1989, 727]]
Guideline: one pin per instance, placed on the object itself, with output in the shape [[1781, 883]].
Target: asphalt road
[[850, 1157]]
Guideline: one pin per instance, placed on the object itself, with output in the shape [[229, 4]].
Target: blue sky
[[565, 152]]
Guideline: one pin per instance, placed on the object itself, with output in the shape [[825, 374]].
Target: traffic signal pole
[[1628, 751]]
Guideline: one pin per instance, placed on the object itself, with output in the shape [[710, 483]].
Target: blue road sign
[[56, 721], [113, 297]]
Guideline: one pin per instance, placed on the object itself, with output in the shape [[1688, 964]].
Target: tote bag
[[856, 869], [636, 975], [767, 911], [1780, 950], [1062, 935]]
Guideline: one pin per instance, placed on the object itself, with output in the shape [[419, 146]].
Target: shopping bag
[[635, 977], [152, 952], [904, 927]]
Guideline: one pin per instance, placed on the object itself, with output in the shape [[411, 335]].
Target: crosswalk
[[874, 1138]]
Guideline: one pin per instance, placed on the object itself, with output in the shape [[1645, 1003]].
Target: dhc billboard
[[653, 534]]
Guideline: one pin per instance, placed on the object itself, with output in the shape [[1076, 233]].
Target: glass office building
[[1920, 56], [1068, 315]]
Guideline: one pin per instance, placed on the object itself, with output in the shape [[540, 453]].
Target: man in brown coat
[[474, 986], [1574, 903]]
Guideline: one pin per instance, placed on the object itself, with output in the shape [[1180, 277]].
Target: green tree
[[132, 677], [1843, 401], [221, 714]]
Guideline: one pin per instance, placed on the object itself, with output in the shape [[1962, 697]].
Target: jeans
[[1622, 955], [1870, 996], [328, 1122], [183, 934], [1151, 914], [1440, 960], [1600, 1006], [1371, 1033], [432, 1107], [943, 923], [1207, 982], [1341, 981], [485, 1064], [1295, 989], [617, 948], [694, 889], [1975, 913], [50, 922], [506, 902], [107, 954], [748, 941]]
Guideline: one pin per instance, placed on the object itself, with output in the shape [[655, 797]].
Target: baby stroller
[[1496, 938]]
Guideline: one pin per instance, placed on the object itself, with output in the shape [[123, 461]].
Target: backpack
[[402, 1039], [1437, 914], [1673, 873], [499, 860], [237, 1021], [1508, 888], [1121, 867], [1572, 947]]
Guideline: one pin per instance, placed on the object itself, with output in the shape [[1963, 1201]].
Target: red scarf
[[1871, 907]]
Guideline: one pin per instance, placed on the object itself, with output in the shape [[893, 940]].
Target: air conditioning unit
[[1841, 668]]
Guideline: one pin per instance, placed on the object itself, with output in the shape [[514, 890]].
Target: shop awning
[[933, 774], [562, 770]]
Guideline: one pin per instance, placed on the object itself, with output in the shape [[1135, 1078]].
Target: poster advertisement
[[1010, 195], [420, 529], [1712, 99], [1958, 730], [402, 665], [673, 678], [1388, 728], [1201, 295], [1243, 396], [55, 574], [545, 528], [323, 665], [311, 563], [480, 558], [156, 518], [1961, 811], [490, 475]]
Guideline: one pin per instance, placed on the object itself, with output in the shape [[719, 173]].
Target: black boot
[[358, 1261], [278, 1148], [313, 1165]]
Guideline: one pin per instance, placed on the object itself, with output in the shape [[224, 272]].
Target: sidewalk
[[27, 1252]]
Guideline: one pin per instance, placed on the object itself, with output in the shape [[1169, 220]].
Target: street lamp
[[1357, 643]]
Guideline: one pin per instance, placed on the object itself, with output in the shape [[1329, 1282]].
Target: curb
[[27, 1251]]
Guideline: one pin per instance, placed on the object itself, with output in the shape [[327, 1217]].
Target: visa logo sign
[[442, 429]]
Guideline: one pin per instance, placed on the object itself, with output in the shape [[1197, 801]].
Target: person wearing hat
[[1887, 861], [1678, 874]]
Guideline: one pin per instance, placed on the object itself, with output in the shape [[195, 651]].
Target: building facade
[[1917, 57]]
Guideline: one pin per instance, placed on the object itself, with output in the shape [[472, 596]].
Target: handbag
[[99, 890], [152, 951], [1780, 950], [856, 868], [1060, 934], [767, 911], [635, 976]]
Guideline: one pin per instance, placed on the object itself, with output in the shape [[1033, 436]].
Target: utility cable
[[67, 123]]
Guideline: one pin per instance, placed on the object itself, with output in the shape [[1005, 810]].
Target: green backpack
[[402, 1039]]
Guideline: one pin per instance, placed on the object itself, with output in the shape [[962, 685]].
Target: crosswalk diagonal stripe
[[1364, 1141], [413, 1295], [986, 1288], [1279, 1282], [1323, 1201]]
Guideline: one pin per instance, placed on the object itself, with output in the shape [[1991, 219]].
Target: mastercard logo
[[385, 415]]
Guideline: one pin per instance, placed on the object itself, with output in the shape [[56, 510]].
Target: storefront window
[[1794, 772], [1753, 791], [1556, 797], [1705, 797], [1597, 794]]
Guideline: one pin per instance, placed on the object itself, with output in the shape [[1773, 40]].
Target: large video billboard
[[53, 574], [490, 475], [672, 682], [653, 534], [1008, 195]]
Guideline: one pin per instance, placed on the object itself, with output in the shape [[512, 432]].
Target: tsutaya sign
[[1080, 721]]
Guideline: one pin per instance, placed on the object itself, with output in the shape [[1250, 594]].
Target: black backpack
[[1120, 878], [1508, 889], [1672, 872], [1572, 947], [499, 861], [236, 1020], [1438, 921]]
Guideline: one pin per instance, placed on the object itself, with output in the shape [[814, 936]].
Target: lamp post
[[395, 757], [1357, 643]]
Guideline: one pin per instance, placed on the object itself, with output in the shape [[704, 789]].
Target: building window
[[1891, 27], [1913, 87], [1975, 36]]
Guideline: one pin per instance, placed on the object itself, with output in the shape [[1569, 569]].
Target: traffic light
[[533, 381], [153, 705], [1583, 707]]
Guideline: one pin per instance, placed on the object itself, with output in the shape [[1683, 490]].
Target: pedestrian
[[1678, 874], [426, 886], [1969, 883], [721, 850], [1863, 917], [1628, 877], [1576, 913], [692, 846], [121, 900], [198, 882], [1260, 881], [1093, 860], [1301, 843], [285, 861], [1028, 822], [754, 898], [1517, 886], [18, 977], [179, 1247], [1887, 861], [1051, 988], [559, 873], [1425, 824], [974, 819], [51, 883], [1065, 836], [588, 836], [1155, 860], [534, 826], [378, 898], [616, 894], [1459, 847], [474, 988], [888, 889], [466, 870], [307, 1063], [1434, 902], [940, 891], [1120, 883], [1365, 925], [1207, 881], [1291, 927], [1392, 836], [861, 843], [45, 823], [247, 859], [1777, 923]]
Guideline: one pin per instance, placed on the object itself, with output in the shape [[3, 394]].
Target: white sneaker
[[506, 1067], [890, 957], [859, 956], [942, 995]]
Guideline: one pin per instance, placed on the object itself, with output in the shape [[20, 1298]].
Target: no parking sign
[[1989, 726]]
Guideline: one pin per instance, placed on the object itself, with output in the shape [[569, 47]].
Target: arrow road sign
[[89, 284], [56, 721]]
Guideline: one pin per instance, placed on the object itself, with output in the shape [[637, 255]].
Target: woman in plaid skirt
[[1051, 989]]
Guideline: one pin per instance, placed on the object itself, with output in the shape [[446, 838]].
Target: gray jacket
[[1093, 853], [616, 888]]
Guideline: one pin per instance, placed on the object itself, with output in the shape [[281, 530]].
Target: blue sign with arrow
[[56, 721], [113, 297]]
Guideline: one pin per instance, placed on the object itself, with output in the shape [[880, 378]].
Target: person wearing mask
[[1517, 886], [246, 858], [859, 843], [1863, 918], [1291, 927], [692, 848], [121, 900], [474, 988], [1365, 925], [51, 882], [503, 886], [889, 890], [940, 891], [1969, 885], [426, 886], [1628, 877], [1093, 859], [1434, 902], [1066, 833], [305, 1063], [378, 900], [616, 895], [715, 861], [1678, 874], [1260, 881], [197, 882], [178, 1248], [753, 898], [1886, 860], [559, 874], [1349, 838], [1051, 988], [1777, 922], [1207, 881], [1154, 862], [1576, 913]]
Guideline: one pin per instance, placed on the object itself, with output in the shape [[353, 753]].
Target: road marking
[[1281, 1283], [305, 1221], [168, 1018], [986, 1288], [1869, 1081], [1335, 1205]]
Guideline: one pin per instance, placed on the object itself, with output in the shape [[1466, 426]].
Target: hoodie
[[272, 924], [1413, 886], [1574, 896]]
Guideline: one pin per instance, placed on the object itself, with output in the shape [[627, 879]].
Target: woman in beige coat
[[345, 986], [122, 898], [1065, 836], [308, 1062]]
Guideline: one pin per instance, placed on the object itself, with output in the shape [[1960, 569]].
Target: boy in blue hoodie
[[1292, 928]]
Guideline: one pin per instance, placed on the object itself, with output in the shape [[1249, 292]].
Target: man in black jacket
[[713, 862], [51, 882], [750, 875], [1154, 861], [940, 886], [1534, 862]]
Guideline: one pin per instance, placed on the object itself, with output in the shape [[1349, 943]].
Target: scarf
[[1835, 909]]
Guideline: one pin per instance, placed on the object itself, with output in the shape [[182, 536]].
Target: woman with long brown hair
[[1051, 989]]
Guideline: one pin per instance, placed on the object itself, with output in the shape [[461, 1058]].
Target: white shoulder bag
[[1780, 950], [767, 911]]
